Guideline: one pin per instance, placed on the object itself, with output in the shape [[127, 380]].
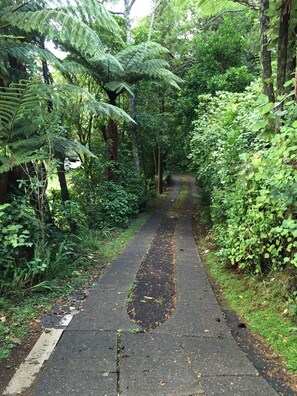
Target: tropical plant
[[138, 62]]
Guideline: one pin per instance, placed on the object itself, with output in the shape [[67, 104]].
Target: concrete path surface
[[102, 352]]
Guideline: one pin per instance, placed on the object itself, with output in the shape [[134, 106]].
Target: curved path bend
[[102, 352]]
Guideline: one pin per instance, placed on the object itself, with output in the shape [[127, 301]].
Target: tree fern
[[208, 8], [64, 94], [68, 148], [67, 24], [24, 119], [138, 62], [119, 87], [16, 102], [27, 53], [134, 55]]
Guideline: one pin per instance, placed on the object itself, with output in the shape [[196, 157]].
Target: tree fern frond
[[107, 68], [28, 53], [113, 112], [7, 163], [21, 152], [91, 12], [152, 65], [15, 101], [57, 25], [63, 147], [119, 86], [134, 55], [168, 77], [88, 100], [28, 145]]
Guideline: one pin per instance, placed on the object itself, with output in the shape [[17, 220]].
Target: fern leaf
[[119, 86], [133, 56], [57, 25], [28, 53], [68, 148], [92, 105], [15, 101], [90, 12]]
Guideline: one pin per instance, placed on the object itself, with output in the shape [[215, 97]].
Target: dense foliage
[[250, 177], [55, 113]]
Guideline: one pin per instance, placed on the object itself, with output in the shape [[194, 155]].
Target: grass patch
[[17, 317], [263, 304], [98, 250]]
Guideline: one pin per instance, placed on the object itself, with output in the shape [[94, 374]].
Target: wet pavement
[[103, 352]]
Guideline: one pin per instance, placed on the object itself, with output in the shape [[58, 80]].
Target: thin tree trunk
[[112, 141], [111, 138], [128, 6], [133, 132], [296, 85], [282, 55], [62, 180], [132, 111], [291, 64], [151, 25], [265, 52], [47, 77], [160, 172], [3, 188]]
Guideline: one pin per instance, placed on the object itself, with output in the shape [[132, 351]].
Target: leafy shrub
[[27, 262], [106, 205], [235, 79], [18, 226], [262, 227], [68, 214], [249, 173], [115, 205]]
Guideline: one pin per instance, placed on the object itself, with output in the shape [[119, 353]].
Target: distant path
[[103, 352]]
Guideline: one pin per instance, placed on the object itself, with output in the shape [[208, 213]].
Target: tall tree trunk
[[133, 128], [160, 155], [3, 188], [65, 192], [160, 171], [47, 77], [265, 52], [112, 141], [133, 132], [128, 6], [111, 138], [283, 38], [62, 180], [291, 64], [296, 85]]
